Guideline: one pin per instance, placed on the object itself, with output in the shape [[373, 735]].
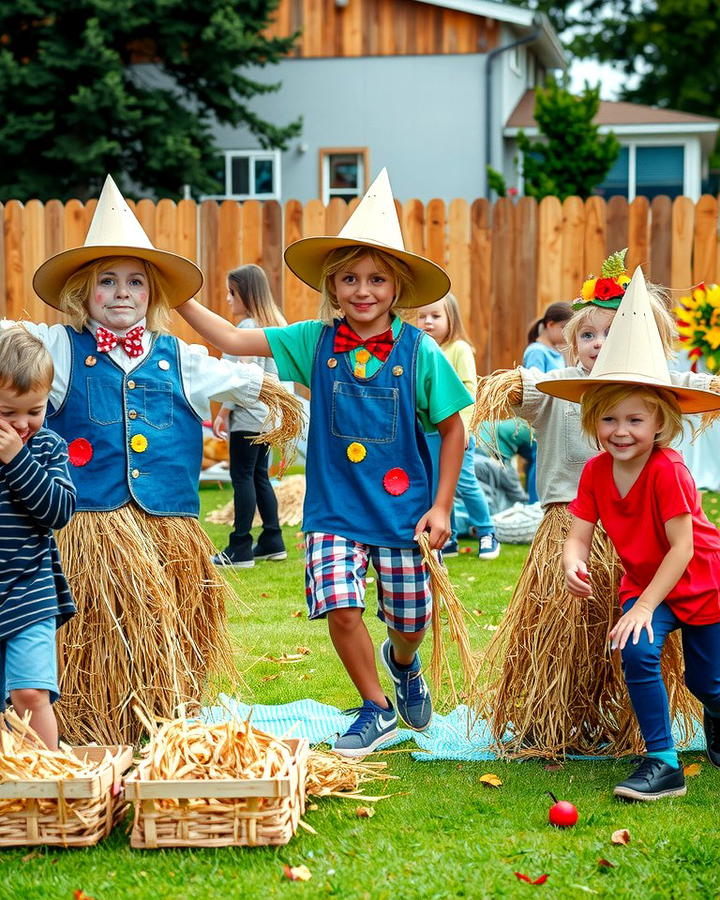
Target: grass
[[443, 835]]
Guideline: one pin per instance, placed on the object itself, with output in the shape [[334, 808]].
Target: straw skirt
[[549, 685], [150, 625]]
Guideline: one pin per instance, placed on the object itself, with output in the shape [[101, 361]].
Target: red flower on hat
[[607, 288], [396, 481], [80, 452]]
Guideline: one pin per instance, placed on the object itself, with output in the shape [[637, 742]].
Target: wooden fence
[[507, 261]]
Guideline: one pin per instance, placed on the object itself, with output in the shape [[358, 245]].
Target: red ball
[[563, 814]]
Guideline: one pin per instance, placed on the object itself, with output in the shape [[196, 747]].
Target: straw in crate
[[220, 785], [70, 797]]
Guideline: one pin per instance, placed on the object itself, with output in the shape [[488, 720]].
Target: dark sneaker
[[488, 547], [652, 780], [273, 555], [412, 696], [450, 549], [233, 561], [711, 725], [373, 727]]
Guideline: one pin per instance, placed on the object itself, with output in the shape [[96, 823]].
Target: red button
[[396, 481]]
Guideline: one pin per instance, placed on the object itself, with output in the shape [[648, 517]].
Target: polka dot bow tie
[[131, 342]]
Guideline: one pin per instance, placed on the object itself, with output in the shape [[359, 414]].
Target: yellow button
[[135, 473], [131, 385], [132, 414], [362, 356]]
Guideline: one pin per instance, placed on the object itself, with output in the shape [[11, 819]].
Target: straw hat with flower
[[115, 231], [633, 354], [374, 224]]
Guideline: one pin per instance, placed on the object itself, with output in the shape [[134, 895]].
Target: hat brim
[[306, 259], [690, 400], [184, 279]]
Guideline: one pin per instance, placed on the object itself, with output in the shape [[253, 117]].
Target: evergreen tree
[[76, 106], [571, 158]]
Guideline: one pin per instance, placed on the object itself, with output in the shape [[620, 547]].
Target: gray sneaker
[[411, 691], [370, 730]]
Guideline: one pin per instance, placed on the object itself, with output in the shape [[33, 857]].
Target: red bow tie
[[131, 342], [379, 345]]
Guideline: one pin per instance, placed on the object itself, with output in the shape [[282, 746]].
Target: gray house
[[424, 88]]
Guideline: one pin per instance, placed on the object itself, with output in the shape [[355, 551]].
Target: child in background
[[546, 339], [36, 495], [252, 302], [443, 322], [647, 501], [376, 384], [548, 679]]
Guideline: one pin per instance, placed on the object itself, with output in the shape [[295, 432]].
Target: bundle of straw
[[290, 493], [446, 605], [495, 398], [286, 412]]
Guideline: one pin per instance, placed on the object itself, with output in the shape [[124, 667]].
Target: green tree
[[572, 157], [75, 106]]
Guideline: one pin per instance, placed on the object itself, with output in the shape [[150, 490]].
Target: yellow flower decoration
[[698, 324], [139, 443], [356, 452], [588, 289]]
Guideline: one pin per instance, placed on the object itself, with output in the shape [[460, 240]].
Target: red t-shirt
[[636, 526]]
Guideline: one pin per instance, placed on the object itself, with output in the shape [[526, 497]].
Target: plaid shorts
[[336, 578]]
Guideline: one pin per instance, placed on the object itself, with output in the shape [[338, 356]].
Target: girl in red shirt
[[646, 499]]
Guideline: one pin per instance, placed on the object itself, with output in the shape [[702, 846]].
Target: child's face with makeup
[[121, 294], [591, 335]]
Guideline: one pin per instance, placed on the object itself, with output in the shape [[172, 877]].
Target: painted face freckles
[[591, 336], [433, 319], [365, 295], [24, 412], [627, 431], [121, 295]]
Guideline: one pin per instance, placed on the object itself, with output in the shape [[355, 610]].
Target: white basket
[[518, 523]]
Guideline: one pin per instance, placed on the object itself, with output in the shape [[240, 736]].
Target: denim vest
[[131, 435], [378, 498]]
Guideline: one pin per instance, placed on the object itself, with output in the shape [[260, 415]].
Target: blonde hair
[[25, 363], [598, 400], [253, 288], [77, 290], [456, 329], [343, 258], [660, 304]]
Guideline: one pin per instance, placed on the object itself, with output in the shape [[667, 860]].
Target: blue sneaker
[[488, 547], [372, 728], [411, 691], [450, 548]]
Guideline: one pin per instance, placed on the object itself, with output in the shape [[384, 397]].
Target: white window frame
[[253, 156], [326, 192]]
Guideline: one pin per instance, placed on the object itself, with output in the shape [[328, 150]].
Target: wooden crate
[[219, 813], [73, 812]]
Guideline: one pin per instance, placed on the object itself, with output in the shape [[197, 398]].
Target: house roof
[[523, 21], [618, 116]]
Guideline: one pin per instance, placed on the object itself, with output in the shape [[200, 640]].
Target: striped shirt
[[36, 495]]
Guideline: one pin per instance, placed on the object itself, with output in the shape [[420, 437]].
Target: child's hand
[[577, 579], [437, 521], [632, 623], [220, 425], [10, 443]]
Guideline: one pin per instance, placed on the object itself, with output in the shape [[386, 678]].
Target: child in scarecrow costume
[[642, 492], [130, 399], [546, 677]]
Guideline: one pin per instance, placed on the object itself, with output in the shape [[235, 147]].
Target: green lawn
[[443, 834]]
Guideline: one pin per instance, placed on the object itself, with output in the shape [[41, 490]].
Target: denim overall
[[351, 499], [144, 437]]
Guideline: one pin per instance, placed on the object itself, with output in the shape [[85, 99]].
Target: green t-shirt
[[439, 391]]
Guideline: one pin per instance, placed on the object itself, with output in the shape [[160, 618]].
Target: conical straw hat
[[633, 354], [115, 231], [374, 224]]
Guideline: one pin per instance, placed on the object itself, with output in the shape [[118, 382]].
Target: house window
[[646, 171], [343, 173], [249, 175]]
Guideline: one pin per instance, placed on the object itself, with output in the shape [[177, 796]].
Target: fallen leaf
[[508, 587], [490, 780], [81, 895], [303, 651], [522, 877], [490, 627], [264, 595], [29, 856], [605, 864], [692, 770], [299, 534], [285, 658], [621, 836], [553, 767], [297, 873], [270, 677], [312, 807], [300, 546], [477, 612], [364, 812], [296, 614]]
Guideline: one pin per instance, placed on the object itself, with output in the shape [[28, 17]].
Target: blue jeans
[[468, 487], [641, 667]]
